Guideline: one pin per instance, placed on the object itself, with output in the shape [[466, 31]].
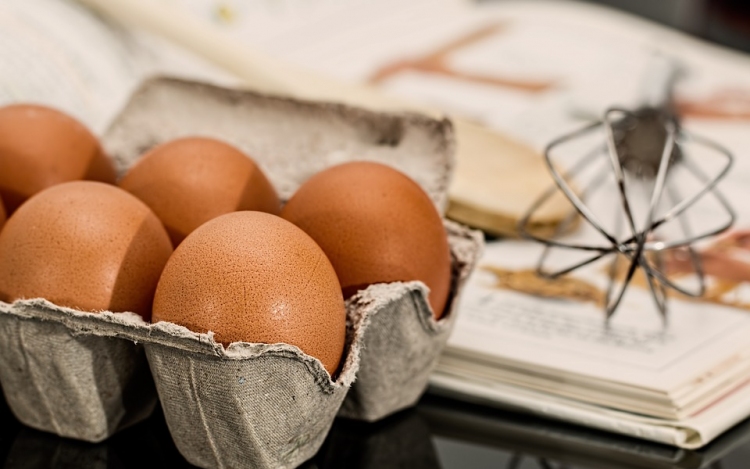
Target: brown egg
[[375, 225], [85, 245], [189, 181], [41, 147], [253, 277]]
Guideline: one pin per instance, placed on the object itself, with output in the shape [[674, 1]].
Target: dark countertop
[[439, 432]]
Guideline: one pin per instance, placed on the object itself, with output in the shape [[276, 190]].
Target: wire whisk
[[640, 157]]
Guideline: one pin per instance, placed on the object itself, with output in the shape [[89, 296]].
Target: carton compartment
[[76, 386], [253, 405], [403, 340]]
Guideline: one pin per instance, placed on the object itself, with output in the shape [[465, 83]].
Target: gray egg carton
[[88, 375]]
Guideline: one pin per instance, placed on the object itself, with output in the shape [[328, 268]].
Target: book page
[[570, 336], [58, 53]]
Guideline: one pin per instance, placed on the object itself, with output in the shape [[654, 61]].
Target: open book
[[683, 385]]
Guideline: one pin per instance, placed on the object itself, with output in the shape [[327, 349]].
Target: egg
[[253, 277], [41, 147], [376, 225], [189, 181], [84, 245]]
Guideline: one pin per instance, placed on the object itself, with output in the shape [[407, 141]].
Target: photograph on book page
[[46, 57]]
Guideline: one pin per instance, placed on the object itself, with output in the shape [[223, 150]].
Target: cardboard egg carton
[[88, 375]]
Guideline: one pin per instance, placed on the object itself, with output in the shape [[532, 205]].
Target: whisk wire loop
[[641, 248]]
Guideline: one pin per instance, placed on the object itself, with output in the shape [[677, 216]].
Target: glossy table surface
[[439, 433]]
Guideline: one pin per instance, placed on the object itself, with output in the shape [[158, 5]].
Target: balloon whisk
[[646, 191]]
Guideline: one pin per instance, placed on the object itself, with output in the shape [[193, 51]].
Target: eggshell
[[253, 277], [41, 147], [189, 181], [376, 226], [85, 245]]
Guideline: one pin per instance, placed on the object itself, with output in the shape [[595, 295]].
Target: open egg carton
[[88, 375]]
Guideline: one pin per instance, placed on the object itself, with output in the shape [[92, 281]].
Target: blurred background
[[723, 21]]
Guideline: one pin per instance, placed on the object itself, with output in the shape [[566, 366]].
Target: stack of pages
[[683, 385]]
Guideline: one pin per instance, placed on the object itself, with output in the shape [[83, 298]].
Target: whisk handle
[[659, 81]]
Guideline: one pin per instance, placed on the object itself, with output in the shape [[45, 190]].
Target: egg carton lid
[[290, 139]]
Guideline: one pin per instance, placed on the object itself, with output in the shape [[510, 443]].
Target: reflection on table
[[438, 433]]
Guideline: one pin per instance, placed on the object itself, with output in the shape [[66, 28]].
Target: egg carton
[[89, 375]]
